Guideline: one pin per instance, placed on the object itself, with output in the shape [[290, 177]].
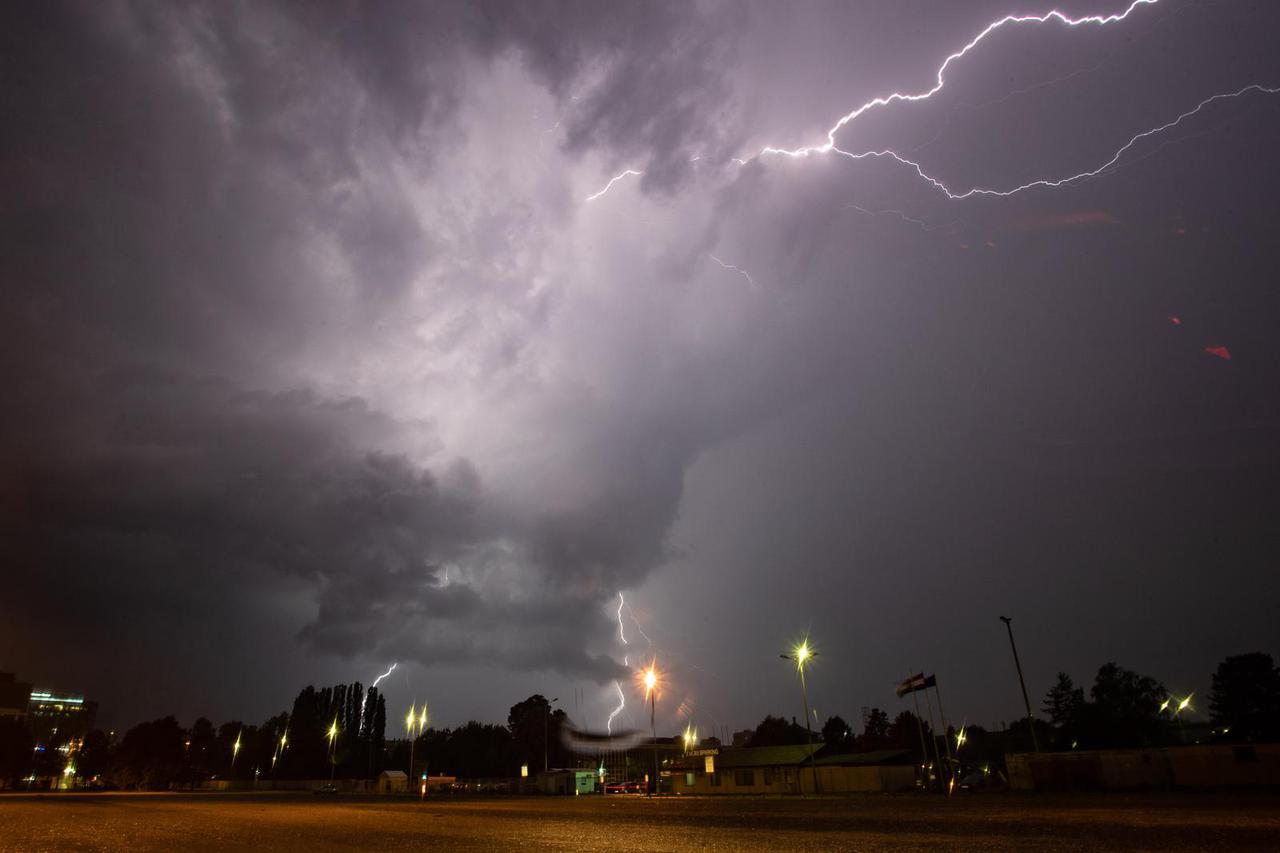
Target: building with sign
[[792, 769]]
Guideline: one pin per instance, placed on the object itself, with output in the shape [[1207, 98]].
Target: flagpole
[[924, 750], [946, 729], [933, 727]]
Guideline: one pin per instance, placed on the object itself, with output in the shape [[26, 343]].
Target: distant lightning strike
[[732, 268], [1054, 16]]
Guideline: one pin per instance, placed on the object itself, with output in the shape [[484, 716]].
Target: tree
[[201, 743], [535, 730], [875, 732], [1062, 707], [836, 735], [1245, 698], [151, 755], [776, 731], [94, 757], [1126, 709], [904, 733], [16, 749]]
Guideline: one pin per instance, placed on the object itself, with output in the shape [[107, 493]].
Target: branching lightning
[[1056, 17], [940, 74]]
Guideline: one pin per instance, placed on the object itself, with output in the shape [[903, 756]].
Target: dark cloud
[[314, 356]]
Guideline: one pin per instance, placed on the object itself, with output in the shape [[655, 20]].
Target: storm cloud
[[317, 356]]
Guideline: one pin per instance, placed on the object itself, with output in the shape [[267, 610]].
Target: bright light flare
[[690, 737], [1185, 704], [650, 679], [333, 730], [961, 738], [422, 718], [412, 719], [1164, 706]]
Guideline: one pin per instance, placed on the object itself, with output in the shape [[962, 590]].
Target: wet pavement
[[999, 822]]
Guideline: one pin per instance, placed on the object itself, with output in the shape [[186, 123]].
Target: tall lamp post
[[801, 655], [651, 693], [546, 718], [410, 723], [333, 751], [1031, 723]]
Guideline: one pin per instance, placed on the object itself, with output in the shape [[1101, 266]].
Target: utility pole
[[1031, 723]]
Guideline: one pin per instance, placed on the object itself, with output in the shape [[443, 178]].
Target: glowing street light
[[410, 722], [235, 749], [961, 738], [333, 740], [690, 738], [801, 655], [651, 693], [1164, 706], [1184, 704]]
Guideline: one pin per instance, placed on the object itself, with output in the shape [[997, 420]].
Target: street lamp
[[801, 655], [1031, 723], [410, 722], [651, 693], [235, 749], [546, 719], [333, 739]]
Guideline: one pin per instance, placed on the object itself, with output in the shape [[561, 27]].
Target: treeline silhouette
[[341, 731]]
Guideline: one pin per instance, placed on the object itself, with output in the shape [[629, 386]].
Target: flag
[[919, 681]]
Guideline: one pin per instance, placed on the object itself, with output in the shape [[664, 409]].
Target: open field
[[632, 823]]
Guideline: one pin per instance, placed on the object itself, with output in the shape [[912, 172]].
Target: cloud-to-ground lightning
[[739, 270], [613, 181], [622, 701], [390, 670]]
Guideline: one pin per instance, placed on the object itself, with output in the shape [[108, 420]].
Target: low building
[[393, 782], [567, 781], [795, 769]]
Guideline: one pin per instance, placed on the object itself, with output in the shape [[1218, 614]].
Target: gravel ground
[[1164, 822]]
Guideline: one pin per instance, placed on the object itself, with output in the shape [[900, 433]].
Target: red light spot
[[990, 245], [1221, 352], [1175, 319], [1180, 231]]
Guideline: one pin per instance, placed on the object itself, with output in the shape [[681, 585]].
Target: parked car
[[624, 788], [326, 788]]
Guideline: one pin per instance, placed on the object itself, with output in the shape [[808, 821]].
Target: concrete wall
[[1121, 769]]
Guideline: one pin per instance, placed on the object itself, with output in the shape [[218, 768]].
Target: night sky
[[316, 356]]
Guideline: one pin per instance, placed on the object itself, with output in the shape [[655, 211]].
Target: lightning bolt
[[738, 270], [622, 635], [940, 75], [390, 670], [830, 145], [613, 181]]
